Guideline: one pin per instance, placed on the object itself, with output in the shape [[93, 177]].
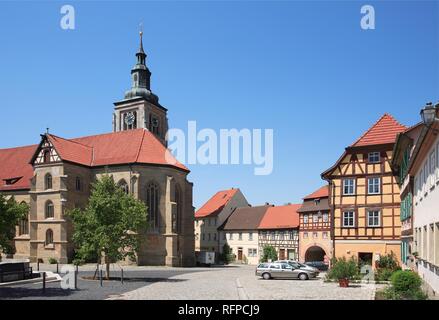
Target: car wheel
[[303, 276], [266, 276]]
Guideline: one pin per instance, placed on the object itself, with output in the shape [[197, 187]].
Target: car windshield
[[263, 265]]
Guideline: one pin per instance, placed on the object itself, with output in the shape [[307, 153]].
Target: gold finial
[[141, 28]]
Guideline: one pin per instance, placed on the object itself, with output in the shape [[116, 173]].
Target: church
[[55, 175]]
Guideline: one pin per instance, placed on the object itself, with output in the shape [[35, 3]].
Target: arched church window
[[152, 203], [23, 226], [48, 181], [177, 213], [49, 211], [123, 185], [49, 237]]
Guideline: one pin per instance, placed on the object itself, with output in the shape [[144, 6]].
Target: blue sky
[[305, 69]]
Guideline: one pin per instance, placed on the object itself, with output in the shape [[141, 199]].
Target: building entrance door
[[291, 254], [239, 254], [281, 254]]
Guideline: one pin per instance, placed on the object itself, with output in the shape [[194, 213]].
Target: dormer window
[[374, 157], [316, 202], [11, 181]]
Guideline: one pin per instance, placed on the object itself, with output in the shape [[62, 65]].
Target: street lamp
[[428, 114]]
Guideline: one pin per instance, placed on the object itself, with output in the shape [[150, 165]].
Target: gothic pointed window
[[48, 181], [49, 237], [49, 210], [177, 213], [23, 226], [123, 185], [152, 203]]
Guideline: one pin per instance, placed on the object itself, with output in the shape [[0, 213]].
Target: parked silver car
[[283, 271], [299, 265]]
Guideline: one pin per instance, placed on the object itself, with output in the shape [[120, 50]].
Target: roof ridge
[[375, 124], [21, 147], [69, 140], [140, 146], [368, 130]]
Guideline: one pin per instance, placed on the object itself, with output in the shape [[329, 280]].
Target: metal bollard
[[38, 265], [57, 267], [100, 277], [121, 278], [44, 282]]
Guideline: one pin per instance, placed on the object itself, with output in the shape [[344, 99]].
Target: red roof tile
[[125, 147], [281, 217], [14, 163], [382, 132], [323, 192], [215, 204]]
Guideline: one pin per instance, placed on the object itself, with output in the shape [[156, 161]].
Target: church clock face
[[130, 118]]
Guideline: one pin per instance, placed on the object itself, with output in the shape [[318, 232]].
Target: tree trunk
[[107, 271]]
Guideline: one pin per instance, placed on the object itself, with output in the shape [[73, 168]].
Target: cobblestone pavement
[[240, 282]]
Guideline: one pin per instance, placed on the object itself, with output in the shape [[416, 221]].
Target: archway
[[315, 253]]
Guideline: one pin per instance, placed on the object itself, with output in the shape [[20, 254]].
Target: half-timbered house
[[315, 227], [364, 195], [279, 228]]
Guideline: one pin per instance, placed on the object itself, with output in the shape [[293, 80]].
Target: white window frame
[[349, 186], [437, 161], [432, 175], [373, 211], [250, 236], [305, 218], [315, 218], [325, 217], [353, 219], [371, 155], [369, 185]]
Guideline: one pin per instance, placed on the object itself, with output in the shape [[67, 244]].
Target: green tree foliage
[[386, 266], [343, 268], [110, 226], [11, 213], [269, 253], [227, 255]]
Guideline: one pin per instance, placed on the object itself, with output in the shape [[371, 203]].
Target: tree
[[11, 213], [269, 253], [110, 226], [227, 255]]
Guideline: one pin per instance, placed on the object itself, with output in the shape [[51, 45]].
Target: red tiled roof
[[215, 204], [14, 163], [281, 217], [131, 146], [125, 147], [382, 132], [323, 192]]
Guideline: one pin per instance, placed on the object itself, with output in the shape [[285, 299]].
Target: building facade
[[279, 228], [424, 167], [212, 215], [402, 153], [240, 232], [55, 176], [364, 196], [315, 227]]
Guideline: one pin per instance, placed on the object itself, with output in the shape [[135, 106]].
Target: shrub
[[52, 261], [389, 262], [269, 253], [343, 269], [383, 274], [227, 255], [406, 285]]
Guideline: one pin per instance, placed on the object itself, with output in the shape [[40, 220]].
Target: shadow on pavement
[[13, 293]]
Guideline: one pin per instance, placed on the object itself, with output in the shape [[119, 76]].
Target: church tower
[[140, 108]]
